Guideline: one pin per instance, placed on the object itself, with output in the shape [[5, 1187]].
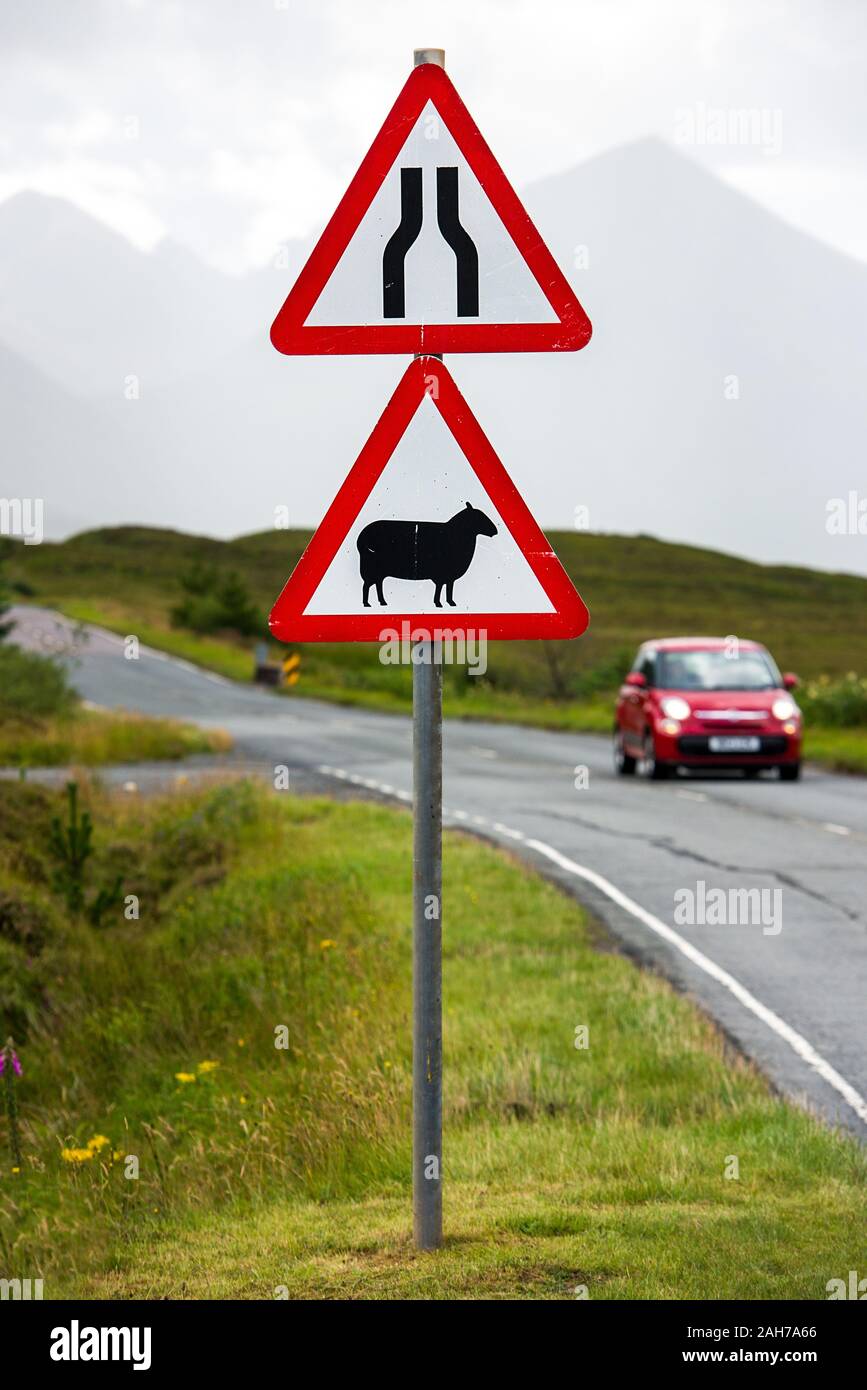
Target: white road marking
[[835, 829], [796, 1042], [692, 796], [484, 752], [799, 1045], [507, 830]]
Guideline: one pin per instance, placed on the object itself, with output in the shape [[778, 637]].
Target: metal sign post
[[427, 1011], [427, 937]]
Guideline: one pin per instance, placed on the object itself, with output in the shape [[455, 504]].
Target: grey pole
[[427, 1012], [427, 1006]]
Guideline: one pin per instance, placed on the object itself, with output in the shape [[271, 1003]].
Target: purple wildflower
[[16, 1065]]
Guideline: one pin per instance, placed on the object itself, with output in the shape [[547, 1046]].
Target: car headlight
[[783, 708], [675, 707]]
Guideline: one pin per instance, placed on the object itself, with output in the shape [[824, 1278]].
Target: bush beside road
[[43, 723]]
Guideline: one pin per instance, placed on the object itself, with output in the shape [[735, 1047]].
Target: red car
[[706, 702]]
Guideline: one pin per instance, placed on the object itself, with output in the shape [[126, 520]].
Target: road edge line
[[799, 1044]]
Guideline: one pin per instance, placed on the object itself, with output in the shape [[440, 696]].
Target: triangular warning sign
[[427, 530], [430, 250]]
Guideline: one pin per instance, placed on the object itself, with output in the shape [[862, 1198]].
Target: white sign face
[[430, 250], [428, 479], [431, 179], [428, 524]]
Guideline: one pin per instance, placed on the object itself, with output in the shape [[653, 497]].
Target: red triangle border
[[429, 82], [426, 376]]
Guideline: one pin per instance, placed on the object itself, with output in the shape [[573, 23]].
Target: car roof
[[705, 644]]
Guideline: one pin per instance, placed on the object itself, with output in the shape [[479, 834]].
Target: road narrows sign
[[428, 529], [430, 250]]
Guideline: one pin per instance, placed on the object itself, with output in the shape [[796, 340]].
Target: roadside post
[[427, 512], [291, 668]]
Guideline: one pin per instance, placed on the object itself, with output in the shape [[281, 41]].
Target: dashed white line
[[508, 831], [835, 829]]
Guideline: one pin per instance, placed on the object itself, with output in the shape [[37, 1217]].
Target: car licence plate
[[734, 744]]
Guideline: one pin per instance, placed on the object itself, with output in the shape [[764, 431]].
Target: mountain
[[88, 309], [720, 400], [62, 450]]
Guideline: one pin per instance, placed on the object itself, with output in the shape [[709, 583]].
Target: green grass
[[43, 723], [95, 737], [635, 587], [842, 749], [289, 1169]]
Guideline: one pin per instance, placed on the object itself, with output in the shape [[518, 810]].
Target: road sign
[[427, 526], [430, 249]]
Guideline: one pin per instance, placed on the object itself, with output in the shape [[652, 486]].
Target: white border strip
[[796, 1042]]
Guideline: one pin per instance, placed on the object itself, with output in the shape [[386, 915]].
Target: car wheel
[[790, 772], [656, 771], [624, 764]]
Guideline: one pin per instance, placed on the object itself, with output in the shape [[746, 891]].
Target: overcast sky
[[230, 125]]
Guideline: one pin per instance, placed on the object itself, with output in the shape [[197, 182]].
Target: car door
[[635, 718]]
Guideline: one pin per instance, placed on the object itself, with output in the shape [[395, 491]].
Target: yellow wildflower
[[185, 1077], [98, 1142], [242, 1042], [208, 1066], [243, 1100], [76, 1155], [327, 944]]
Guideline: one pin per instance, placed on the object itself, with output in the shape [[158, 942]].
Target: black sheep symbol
[[441, 551]]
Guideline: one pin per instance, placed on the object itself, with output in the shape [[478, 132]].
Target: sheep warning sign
[[430, 250], [428, 525]]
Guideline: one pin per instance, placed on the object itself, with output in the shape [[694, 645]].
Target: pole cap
[[428, 55]]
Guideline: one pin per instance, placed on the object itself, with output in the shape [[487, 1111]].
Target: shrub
[[838, 703], [215, 602], [33, 685]]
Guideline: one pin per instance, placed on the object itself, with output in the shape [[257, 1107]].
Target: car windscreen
[[716, 670]]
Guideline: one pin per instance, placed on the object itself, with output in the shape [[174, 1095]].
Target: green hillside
[[815, 623], [635, 587]]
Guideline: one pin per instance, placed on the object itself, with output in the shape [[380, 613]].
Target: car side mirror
[[790, 680], [637, 679]]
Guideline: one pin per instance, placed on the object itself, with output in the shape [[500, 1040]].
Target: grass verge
[[204, 1160], [88, 737]]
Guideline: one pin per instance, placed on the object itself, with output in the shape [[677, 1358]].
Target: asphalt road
[[793, 999]]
